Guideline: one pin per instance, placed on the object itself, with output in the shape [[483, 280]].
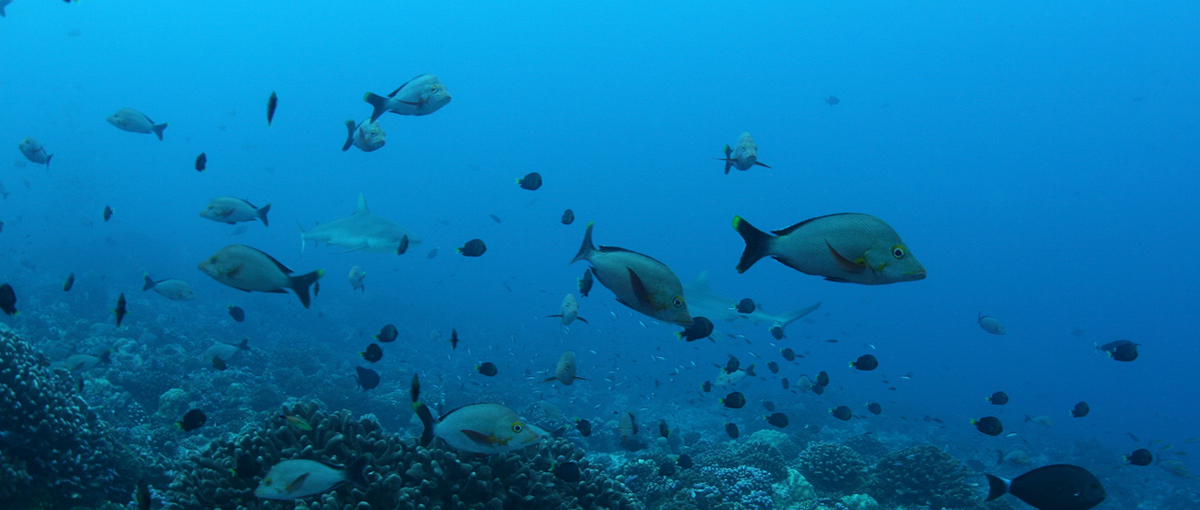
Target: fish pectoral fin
[[845, 263], [836, 279], [479, 438], [581, 319], [297, 483], [639, 288], [275, 291], [233, 272]]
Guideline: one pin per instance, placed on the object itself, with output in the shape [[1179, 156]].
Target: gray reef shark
[[703, 302], [362, 230]]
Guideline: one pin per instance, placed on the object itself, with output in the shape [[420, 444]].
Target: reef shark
[[703, 302], [362, 230]]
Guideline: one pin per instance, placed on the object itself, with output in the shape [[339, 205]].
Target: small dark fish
[[201, 162], [218, 364], [453, 339], [998, 398], [272, 102], [403, 246], [732, 365], [387, 334], [685, 462], [773, 367], [373, 353], [495, 218], [707, 386], [866, 362], [832, 100], [8, 299], [745, 306], [989, 425], [841, 413], [487, 368], [237, 313], [1120, 350], [734, 400], [366, 378], [69, 283], [785, 382], [1056, 487], [568, 217], [666, 470], [701, 328], [120, 310], [568, 472], [769, 406], [777, 332], [832, 341], [531, 181], [788, 354], [143, 495], [778, 419], [874, 408], [585, 283], [414, 389], [473, 248], [1081, 409], [663, 430], [191, 420], [584, 427], [732, 430], [432, 253], [1140, 457], [822, 379], [818, 389], [107, 213]]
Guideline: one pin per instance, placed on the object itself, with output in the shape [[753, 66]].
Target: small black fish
[[568, 217], [866, 362], [777, 332], [707, 386], [832, 341], [732, 430], [1081, 409], [785, 382], [272, 102], [685, 462], [663, 430], [989, 425], [874, 408], [387, 334], [531, 181], [745, 306], [191, 420], [585, 283], [403, 246], [769, 406], [201, 162], [788, 354], [495, 218], [568, 472], [432, 253], [1120, 350], [734, 400], [822, 379], [818, 389], [832, 100], [841, 413], [120, 310], [8, 299], [143, 495], [998, 398], [778, 419], [107, 213], [584, 427], [1056, 487], [373, 353], [732, 365], [69, 283], [1140, 457], [218, 364], [473, 248], [366, 378], [487, 368], [773, 367], [237, 313], [667, 469], [701, 328], [453, 339]]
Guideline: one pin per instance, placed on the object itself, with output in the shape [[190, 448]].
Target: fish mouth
[[920, 275]]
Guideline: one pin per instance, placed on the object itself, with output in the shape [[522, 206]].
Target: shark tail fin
[[300, 285], [48, 156], [244, 344], [586, 249], [349, 137], [262, 214], [301, 227], [378, 104], [794, 315], [149, 284], [758, 243], [158, 130]]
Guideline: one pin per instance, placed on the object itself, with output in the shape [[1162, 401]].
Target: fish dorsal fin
[[701, 280], [285, 269], [361, 208], [401, 87], [792, 228], [615, 249]]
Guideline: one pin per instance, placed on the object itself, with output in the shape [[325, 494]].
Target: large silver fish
[[362, 230], [33, 151], [639, 282], [568, 311], [224, 351], [245, 268], [233, 210], [845, 247], [365, 135], [299, 478], [479, 428], [422, 95], [128, 119], [743, 154], [565, 370]]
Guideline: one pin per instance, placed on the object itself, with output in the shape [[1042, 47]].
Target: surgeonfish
[[568, 311], [366, 135], [356, 279], [639, 282], [991, 324], [477, 428], [245, 268], [743, 155], [33, 151], [422, 95], [233, 210], [564, 370], [300, 478], [171, 288], [128, 119], [845, 247], [1055, 487]]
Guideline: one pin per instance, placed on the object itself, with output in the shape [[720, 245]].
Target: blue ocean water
[[1038, 159]]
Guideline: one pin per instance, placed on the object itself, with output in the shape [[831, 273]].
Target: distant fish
[[201, 162], [1080, 410], [746, 305], [585, 282], [473, 248], [495, 218], [432, 253], [366, 135], [171, 288], [701, 328], [568, 217], [568, 472], [788, 354], [387, 334], [989, 425], [487, 369], [120, 310], [272, 102], [366, 378], [991, 324], [734, 400], [363, 230], [773, 367], [638, 281], [565, 370], [822, 379], [245, 268], [453, 339], [128, 119], [233, 210], [1140, 457], [225, 351], [998, 398], [356, 279], [685, 461], [8, 299], [34, 151], [832, 100], [421, 95], [732, 430], [299, 478], [1120, 350], [743, 155], [874, 408], [69, 283], [297, 422], [584, 427], [532, 181], [1041, 419], [83, 362], [1056, 487], [108, 212], [778, 419], [142, 496], [191, 420], [373, 353], [237, 313], [866, 362], [568, 310], [841, 412]]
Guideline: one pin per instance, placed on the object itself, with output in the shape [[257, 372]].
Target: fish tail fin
[[996, 487], [349, 136], [356, 472], [48, 156], [300, 285], [301, 227], [794, 315], [244, 344], [758, 243], [158, 130], [106, 356], [586, 249], [426, 421], [149, 284], [750, 370], [377, 102], [262, 214]]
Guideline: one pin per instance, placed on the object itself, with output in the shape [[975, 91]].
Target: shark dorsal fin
[[362, 205], [701, 280]]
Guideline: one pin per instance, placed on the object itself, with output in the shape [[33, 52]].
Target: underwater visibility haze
[[661, 255]]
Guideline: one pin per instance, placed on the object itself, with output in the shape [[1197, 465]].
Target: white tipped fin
[[362, 205]]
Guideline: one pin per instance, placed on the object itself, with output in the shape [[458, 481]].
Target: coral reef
[[922, 475], [54, 451], [868, 446], [832, 467]]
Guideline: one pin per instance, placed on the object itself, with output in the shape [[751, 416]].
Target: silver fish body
[[743, 155], [128, 119], [639, 282], [422, 95], [366, 135], [34, 151], [245, 268], [233, 210]]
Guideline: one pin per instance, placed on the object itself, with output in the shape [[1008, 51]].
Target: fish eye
[[898, 251], [677, 302], [517, 427]]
